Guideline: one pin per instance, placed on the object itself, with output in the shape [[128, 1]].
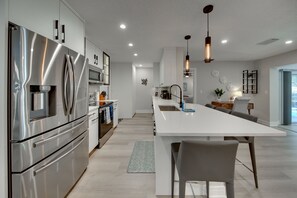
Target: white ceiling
[[155, 24]]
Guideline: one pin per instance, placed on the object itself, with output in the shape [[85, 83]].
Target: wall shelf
[[250, 81]]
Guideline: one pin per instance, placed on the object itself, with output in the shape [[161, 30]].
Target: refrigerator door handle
[[68, 73], [73, 86], [58, 159], [65, 89], [40, 142]]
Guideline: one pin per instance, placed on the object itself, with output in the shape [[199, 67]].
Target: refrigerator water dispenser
[[43, 101]]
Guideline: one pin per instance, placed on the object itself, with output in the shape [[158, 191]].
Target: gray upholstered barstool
[[204, 161], [248, 140]]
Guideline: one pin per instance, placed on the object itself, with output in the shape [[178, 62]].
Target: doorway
[[294, 98], [289, 99], [189, 87]]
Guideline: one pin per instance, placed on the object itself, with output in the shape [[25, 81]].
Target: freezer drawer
[[54, 176], [27, 153]]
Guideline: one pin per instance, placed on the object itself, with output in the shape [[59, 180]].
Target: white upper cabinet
[[72, 29], [46, 18], [94, 54], [171, 66], [36, 15]]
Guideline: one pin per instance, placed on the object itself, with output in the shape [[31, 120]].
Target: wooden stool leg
[[230, 189], [253, 158], [172, 175], [182, 188], [207, 189]]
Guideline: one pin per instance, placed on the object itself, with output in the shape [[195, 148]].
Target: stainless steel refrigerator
[[47, 113]]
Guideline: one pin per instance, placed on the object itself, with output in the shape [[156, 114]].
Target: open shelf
[[250, 81]]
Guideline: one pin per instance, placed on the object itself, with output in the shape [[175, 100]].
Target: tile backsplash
[[94, 88]]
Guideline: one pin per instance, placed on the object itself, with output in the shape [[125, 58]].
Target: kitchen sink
[[168, 108]]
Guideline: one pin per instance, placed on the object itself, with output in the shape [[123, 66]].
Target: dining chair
[[203, 161], [241, 104], [247, 140], [222, 109]]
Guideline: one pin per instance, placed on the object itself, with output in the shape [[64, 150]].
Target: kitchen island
[[203, 124]]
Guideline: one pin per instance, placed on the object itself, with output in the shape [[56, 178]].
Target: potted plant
[[219, 93]]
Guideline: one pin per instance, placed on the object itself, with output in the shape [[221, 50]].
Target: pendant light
[[207, 53], [187, 63]]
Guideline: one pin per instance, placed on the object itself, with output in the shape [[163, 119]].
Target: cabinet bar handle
[[56, 30], [63, 34]]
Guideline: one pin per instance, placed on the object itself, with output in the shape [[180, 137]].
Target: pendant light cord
[[187, 48], [207, 24]]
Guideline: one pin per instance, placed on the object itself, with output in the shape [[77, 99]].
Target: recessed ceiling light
[[289, 42], [224, 41], [123, 26], [135, 54], [130, 44]]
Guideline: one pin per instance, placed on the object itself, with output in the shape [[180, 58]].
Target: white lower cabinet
[[93, 129]]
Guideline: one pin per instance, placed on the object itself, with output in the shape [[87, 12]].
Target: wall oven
[[106, 123], [95, 75]]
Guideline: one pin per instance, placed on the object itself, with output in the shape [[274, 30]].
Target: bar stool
[[247, 140], [204, 161]]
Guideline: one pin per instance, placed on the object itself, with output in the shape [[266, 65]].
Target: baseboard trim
[[271, 124], [144, 111]]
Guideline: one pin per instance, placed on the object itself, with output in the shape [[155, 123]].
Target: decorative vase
[[218, 98]]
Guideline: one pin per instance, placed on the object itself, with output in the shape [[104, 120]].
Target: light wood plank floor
[[107, 175]]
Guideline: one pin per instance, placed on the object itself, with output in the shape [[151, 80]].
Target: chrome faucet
[[180, 94]]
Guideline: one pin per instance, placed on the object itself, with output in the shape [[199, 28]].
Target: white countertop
[[92, 108], [205, 122], [116, 100]]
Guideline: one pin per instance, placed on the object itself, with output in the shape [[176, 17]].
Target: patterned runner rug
[[142, 159]]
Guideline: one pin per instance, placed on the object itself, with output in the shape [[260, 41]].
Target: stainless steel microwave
[[95, 75]]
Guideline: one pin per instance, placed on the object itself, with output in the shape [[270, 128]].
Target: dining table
[[194, 122]]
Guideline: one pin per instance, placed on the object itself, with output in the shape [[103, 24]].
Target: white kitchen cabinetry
[[72, 29], [37, 15], [93, 129], [171, 66], [94, 54], [115, 114], [46, 18]]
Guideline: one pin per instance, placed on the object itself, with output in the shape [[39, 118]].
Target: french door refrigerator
[[47, 113]]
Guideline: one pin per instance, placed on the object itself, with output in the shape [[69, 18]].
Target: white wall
[[134, 90], [268, 98], [3, 102], [179, 66], [206, 83], [122, 88], [189, 81], [144, 92]]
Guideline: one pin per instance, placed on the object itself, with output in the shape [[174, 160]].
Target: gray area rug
[[142, 159]]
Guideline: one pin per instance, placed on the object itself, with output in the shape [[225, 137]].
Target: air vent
[[268, 41]]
